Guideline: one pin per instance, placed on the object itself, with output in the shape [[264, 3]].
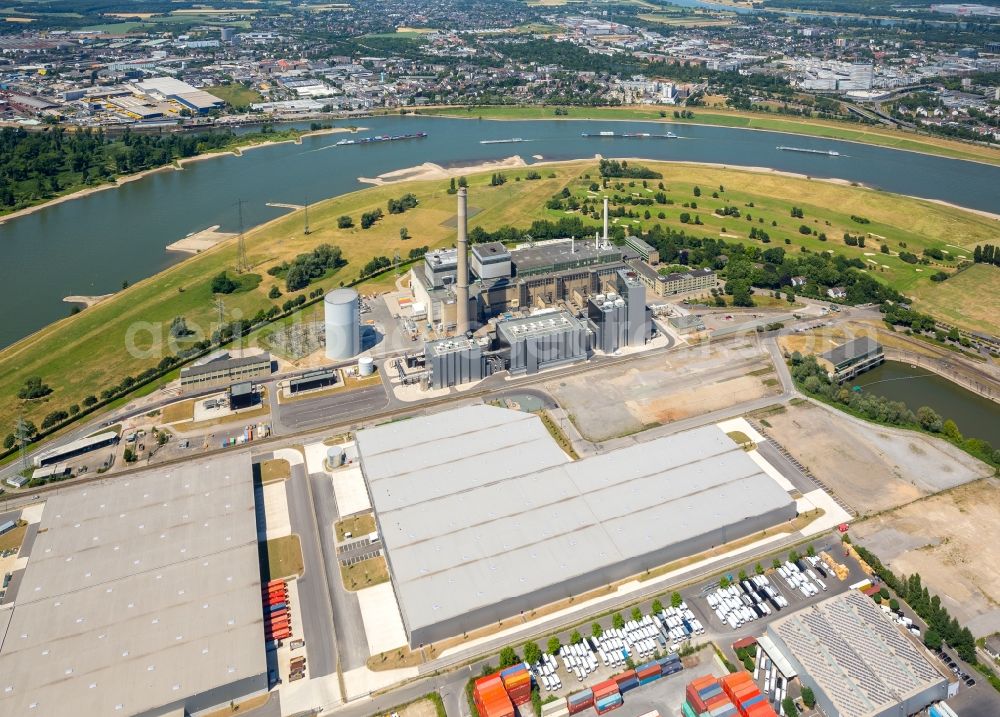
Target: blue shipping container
[[726, 710], [934, 712], [651, 678], [629, 685], [276, 607], [640, 668], [578, 697], [710, 691], [513, 670], [753, 701], [609, 701], [671, 669]]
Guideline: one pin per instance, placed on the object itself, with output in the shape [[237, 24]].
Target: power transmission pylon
[[305, 230], [21, 431], [395, 262], [220, 306], [242, 263]]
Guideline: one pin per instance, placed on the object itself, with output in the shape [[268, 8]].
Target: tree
[[33, 388], [950, 429], [808, 698], [129, 455], [617, 621], [451, 186], [222, 284], [404, 233], [724, 583], [743, 575], [274, 293], [932, 639], [508, 657], [789, 707], [929, 419], [463, 182], [657, 607], [811, 551], [894, 605], [596, 630], [554, 645], [636, 614], [575, 638], [697, 191], [776, 563], [759, 569], [532, 653], [345, 222]]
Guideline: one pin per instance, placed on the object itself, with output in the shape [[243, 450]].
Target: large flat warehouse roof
[[139, 593], [860, 662], [483, 515]]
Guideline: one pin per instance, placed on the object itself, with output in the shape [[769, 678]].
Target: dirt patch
[[953, 540], [870, 467], [658, 390], [275, 470], [357, 526], [13, 538], [365, 574], [284, 557], [181, 411]]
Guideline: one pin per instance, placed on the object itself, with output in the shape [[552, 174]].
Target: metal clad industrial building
[[856, 660], [141, 597], [483, 516]]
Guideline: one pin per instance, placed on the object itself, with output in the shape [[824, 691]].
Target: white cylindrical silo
[[366, 366], [343, 324]]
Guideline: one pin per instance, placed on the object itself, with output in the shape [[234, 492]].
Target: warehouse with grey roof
[[857, 662], [141, 597], [483, 516]]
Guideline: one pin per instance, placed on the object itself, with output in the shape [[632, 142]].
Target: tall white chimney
[[462, 280], [605, 221]]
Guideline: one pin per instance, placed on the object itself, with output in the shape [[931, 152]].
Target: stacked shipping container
[[517, 681], [735, 695], [491, 697], [607, 695]]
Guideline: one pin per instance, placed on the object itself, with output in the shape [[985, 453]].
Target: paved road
[[314, 596], [785, 467], [328, 409], [352, 647]]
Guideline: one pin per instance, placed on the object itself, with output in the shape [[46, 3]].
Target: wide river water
[[90, 245], [975, 415]]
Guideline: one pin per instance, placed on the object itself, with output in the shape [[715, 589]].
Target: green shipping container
[[688, 710]]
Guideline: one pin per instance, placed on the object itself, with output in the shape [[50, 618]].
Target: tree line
[[986, 254]]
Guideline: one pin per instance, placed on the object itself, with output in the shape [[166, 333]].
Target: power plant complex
[[536, 306]]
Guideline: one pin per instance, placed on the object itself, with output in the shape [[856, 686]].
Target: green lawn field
[[746, 120], [129, 332]]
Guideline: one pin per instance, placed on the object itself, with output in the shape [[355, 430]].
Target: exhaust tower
[[462, 280]]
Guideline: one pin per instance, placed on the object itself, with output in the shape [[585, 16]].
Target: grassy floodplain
[[830, 129], [83, 354]]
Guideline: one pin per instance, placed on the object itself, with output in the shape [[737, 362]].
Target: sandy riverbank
[[87, 301], [177, 165], [200, 241], [429, 170]]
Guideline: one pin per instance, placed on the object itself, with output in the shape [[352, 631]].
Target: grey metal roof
[[491, 250], [582, 251], [78, 445], [226, 364], [138, 592], [853, 349], [479, 504], [538, 324], [855, 654]]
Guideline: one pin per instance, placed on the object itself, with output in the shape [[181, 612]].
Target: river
[[89, 246], [975, 415]]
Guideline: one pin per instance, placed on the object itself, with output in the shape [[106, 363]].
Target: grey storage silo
[[343, 324]]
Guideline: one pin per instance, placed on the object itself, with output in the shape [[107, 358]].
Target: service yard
[[872, 468], [953, 540], [657, 390]]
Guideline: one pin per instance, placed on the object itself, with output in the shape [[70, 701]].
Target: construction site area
[[660, 389], [871, 468], [953, 541]]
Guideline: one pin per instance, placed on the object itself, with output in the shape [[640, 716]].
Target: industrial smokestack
[[605, 221], [462, 280]]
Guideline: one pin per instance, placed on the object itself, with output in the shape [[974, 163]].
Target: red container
[[603, 689], [745, 642], [625, 677], [578, 708], [761, 709], [283, 612], [713, 702], [276, 581]]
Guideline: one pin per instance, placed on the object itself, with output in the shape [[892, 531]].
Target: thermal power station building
[[483, 516], [342, 323]]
